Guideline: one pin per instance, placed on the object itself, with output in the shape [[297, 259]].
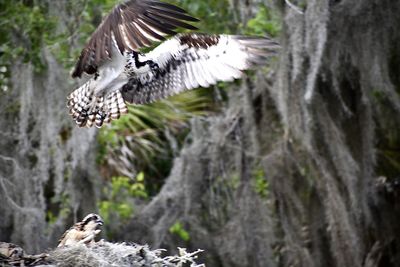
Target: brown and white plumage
[[83, 232], [189, 61], [186, 61], [130, 26]]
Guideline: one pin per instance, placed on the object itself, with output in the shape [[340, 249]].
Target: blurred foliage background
[[293, 167], [135, 153]]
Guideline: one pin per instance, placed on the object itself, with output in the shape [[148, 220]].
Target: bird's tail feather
[[87, 109]]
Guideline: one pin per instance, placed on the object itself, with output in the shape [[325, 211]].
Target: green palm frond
[[135, 140]]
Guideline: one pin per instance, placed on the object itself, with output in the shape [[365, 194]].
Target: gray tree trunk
[[321, 131], [46, 163], [332, 193]]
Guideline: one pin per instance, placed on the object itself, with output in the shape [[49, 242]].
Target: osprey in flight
[[122, 74]]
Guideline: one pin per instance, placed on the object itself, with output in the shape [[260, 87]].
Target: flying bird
[[83, 232], [121, 74]]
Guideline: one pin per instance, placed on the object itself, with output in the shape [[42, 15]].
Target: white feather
[[207, 71], [111, 75], [192, 79], [201, 74]]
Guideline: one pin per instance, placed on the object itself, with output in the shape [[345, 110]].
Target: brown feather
[[166, 5], [199, 40], [161, 17], [77, 226], [139, 34], [172, 14], [150, 31], [167, 28], [172, 21]]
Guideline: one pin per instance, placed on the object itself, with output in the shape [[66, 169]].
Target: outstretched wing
[[130, 26], [188, 61]]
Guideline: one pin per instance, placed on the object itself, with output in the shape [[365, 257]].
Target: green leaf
[[178, 229]]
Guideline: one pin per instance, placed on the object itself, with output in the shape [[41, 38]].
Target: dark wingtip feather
[[173, 14], [166, 5], [76, 73], [78, 70], [161, 6], [160, 17]]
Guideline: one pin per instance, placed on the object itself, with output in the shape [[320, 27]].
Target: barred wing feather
[[188, 61], [130, 26]]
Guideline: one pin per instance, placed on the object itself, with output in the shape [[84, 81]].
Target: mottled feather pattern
[[120, 73], [82, 232], [79, 103], [87, 110], [158, 88], [199, 60], [75, 230], [131, 25]]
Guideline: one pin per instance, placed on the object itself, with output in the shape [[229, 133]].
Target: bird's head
[[92, 221]]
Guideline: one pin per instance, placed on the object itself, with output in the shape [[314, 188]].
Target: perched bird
[[82, 232], [121, 74]]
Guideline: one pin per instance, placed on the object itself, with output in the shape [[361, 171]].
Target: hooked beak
[[100, 222]]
